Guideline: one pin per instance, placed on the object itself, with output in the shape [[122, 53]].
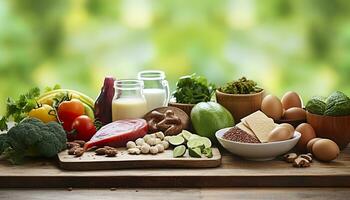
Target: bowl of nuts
[[248, 147]]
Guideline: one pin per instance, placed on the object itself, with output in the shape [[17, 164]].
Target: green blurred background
[[300, 45]]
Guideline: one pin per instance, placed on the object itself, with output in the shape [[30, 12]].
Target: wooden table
[[179, 193], [232, 173]]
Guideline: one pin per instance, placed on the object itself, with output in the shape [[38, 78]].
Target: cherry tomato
[[83, 128], [69, 110]]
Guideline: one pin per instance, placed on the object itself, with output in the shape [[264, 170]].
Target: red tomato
[[69, 110], [84, 128]]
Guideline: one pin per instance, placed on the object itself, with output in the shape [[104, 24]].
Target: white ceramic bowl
[[257, 151]]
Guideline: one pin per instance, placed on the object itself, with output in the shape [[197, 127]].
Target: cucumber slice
[[176, 140], [200, 141], [179, 151], [186, 135], [195, 152]]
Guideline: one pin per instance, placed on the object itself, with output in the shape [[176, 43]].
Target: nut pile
[[151, 143], [301, 161], [106, 150], [76, 148]]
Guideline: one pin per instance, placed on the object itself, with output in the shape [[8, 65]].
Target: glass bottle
[[156, 88], [129, 101]]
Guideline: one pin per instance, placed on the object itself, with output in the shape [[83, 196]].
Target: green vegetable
[[195, 152], [33, 138], [179, 151], [199, 142], [176, 140], [193, 89], [316, 105], [241, 86], [209, 117], [18, 109], [337, 104], [208, 152], [186, 135]]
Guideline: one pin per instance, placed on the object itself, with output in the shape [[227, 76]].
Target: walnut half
[[301, 162]]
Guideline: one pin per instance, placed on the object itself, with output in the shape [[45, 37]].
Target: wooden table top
[[232, 172], [178, 193]]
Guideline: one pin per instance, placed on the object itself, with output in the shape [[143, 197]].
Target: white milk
[[154, 97], [128, 108]]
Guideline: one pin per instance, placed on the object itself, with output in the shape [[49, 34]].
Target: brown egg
[[290, 127], [295, 114], [272, 107], [311, 143], [325, 150], [307, 133], [279, 133], [290, 100]]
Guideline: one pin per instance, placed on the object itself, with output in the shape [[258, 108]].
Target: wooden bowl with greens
[[330, 117], [241, 97], [191, 90]]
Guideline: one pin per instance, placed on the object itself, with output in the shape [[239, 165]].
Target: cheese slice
[[260, 124], [246, 129]]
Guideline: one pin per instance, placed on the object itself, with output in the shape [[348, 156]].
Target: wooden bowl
[[334, 128], [187, 108], [240, 105]]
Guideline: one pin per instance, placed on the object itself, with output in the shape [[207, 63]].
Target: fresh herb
[[241, 86], [18, 109], [193, 89], [55, 87]]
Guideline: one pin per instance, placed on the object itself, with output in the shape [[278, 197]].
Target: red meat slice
[[118, 133]]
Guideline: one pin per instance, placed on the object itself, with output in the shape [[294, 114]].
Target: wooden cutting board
[[123, 160]]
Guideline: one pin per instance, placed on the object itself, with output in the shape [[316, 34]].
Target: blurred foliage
[[300, 45]]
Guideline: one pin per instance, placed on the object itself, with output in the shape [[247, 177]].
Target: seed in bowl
[[238, 135]]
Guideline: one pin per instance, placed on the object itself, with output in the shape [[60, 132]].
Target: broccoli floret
[[32, 137], [3, 143]]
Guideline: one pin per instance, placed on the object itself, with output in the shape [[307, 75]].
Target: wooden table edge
[[173, 181]]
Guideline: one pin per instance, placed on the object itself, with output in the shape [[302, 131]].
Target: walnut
[[290, 157], [301, 162]]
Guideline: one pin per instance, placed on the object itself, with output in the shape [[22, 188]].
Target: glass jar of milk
[[156, 88], [129, 101]]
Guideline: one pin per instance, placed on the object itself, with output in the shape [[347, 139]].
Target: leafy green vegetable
[[55, 87], [32, 138], [18, 109], [337, 104], [193, 89], [241, 86], [316, 105]]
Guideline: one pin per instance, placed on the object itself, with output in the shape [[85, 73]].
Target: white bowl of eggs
[[257, 151]]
